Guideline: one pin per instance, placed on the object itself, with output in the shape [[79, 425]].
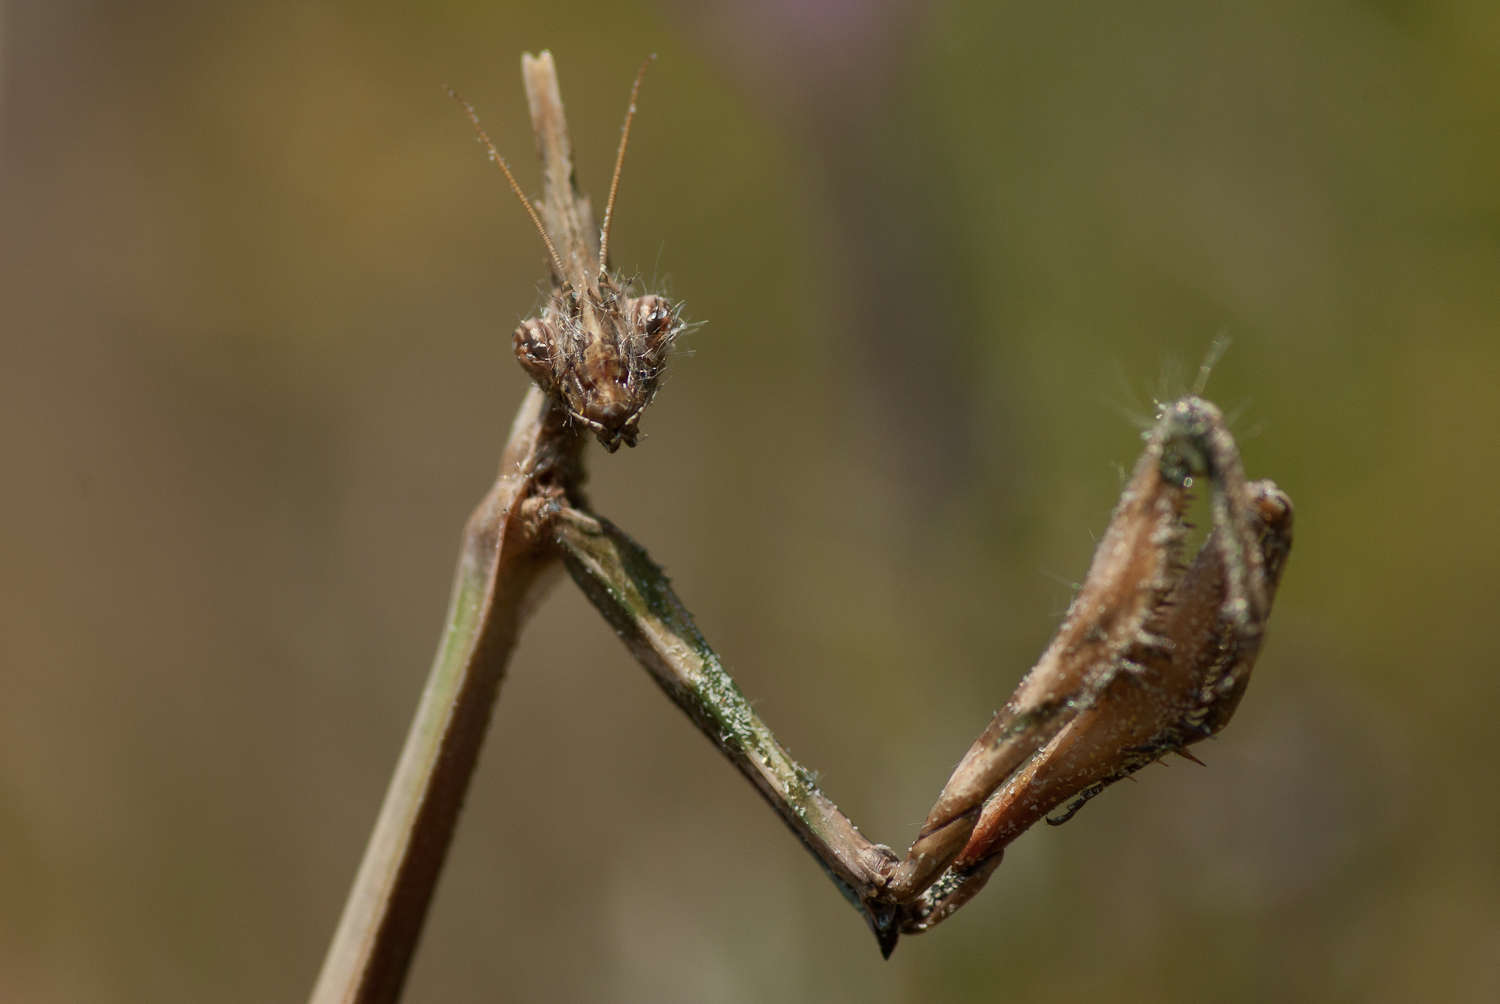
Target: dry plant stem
[[634, 595], [506, 549]]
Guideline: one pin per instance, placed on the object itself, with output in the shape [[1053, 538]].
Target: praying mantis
[[1152, 656]]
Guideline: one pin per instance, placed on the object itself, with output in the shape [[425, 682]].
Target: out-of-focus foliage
[[256, 300]]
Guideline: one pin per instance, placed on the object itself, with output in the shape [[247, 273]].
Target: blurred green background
[[258, 287]]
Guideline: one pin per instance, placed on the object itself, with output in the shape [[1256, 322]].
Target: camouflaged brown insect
[[595, 349]]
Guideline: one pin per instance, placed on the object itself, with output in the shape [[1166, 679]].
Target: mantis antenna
[[614, 182], [484, 138]]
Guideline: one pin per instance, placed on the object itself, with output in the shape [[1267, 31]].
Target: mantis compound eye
[[653, 318], [534, 345], [655, 324], [657, 320]]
